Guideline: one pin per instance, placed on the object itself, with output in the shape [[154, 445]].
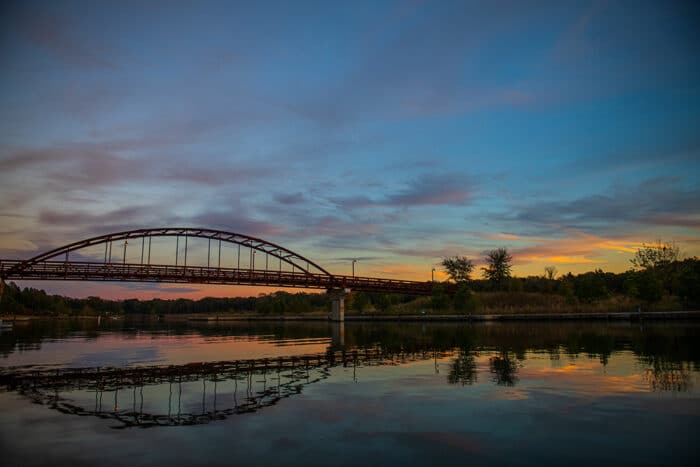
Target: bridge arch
[[283, 254]]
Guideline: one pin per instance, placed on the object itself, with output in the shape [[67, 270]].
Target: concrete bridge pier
[[338, 304], [338, 309]]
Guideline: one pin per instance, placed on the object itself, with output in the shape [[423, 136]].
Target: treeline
[[675, 282], [658, 276], [679, 278], [33, 301], [37, 302]]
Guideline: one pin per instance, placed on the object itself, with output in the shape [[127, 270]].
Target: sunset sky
[[397, 133]]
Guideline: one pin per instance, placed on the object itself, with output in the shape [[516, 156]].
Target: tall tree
[[498, 266], [550, 272], [459, 268], [655, 255]]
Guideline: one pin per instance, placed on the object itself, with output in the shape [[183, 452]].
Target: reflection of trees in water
[[600, 340], [668, 350], [675, 340], [503, 369], [663, 375], [463, 368]]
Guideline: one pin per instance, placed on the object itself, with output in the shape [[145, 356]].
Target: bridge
[[140, 258]]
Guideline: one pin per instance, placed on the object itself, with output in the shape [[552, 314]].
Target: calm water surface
[[140, 393]]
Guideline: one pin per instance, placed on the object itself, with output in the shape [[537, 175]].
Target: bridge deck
[[127, 272]]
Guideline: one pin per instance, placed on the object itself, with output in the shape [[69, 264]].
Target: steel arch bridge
[[282, 267]]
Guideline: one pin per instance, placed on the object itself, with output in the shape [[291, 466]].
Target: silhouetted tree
[[459, 268], [591, 286], [498, 266], [550, 272], [688, 288], [655, 255]]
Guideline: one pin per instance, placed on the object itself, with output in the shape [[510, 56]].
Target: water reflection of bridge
[[222, 389], [202, 392]]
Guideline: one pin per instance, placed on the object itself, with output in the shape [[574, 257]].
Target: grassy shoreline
[[224, 317], [681, 314]]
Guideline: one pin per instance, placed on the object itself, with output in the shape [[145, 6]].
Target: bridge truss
[[282, 267]]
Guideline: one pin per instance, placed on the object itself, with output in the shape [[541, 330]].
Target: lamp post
[[353, 267], [432, 275], [124, 257]]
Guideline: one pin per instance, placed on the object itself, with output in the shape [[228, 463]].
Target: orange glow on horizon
[[563, 260]]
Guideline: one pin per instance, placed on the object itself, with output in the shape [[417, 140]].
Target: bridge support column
[[338, 309], [338, 304]]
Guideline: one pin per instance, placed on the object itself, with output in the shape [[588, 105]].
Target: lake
[[314, 393]]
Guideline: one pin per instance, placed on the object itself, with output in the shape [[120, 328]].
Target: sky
[[394, 132]]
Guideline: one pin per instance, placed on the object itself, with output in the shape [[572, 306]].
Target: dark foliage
[[498, 267]]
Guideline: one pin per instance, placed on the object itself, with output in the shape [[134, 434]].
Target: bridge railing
[[92, 271]]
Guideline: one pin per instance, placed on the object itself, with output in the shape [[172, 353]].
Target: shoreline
[[623, 316], [573, 316]]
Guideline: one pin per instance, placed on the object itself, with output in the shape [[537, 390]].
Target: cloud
[[419, 66], [431, 251], [429, 190], [54, 227], [575, 248], [69, 168], [59, 39], [435, 190], [292, 198], [659, 201], [681, 151], [161, 288], [234, 221], [62, 227], [82, 218], [358, 258], [499, 236]]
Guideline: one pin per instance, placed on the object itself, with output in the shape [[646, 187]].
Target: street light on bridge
[[353, 267], [432, 275], [126, 242]]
